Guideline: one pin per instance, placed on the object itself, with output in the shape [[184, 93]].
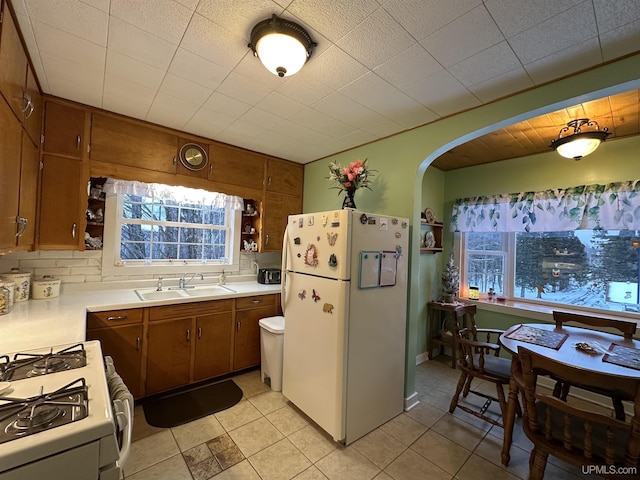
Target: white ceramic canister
[[45, 287], [22, 281], [4, 299]]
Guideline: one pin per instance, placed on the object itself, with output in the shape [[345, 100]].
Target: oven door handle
[[123, 409]]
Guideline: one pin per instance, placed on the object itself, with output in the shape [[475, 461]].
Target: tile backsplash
[[84, 267]]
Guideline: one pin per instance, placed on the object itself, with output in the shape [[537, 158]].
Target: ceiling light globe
[[578, 148], [281, 54]]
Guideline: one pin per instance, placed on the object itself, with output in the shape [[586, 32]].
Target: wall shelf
[[436, 231]]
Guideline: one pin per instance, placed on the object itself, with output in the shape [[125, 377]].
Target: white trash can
[[271, 350]]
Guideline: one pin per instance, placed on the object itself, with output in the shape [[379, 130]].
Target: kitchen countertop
[[47, 323]]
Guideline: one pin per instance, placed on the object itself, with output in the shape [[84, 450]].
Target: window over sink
[[154, 228]]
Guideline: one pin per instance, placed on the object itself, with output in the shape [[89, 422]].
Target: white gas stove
[[57, 416]]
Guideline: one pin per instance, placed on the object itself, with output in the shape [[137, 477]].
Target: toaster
[[269, 275]]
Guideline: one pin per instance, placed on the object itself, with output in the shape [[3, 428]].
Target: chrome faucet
[[183, 283], [159, 289]]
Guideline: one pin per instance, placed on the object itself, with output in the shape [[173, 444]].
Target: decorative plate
[[429, 215]]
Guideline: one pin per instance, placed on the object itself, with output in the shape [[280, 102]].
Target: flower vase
[[349, 200]]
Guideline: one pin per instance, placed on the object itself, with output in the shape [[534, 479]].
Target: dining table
[[565, 345]]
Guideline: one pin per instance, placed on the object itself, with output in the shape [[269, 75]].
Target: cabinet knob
[[23, 225], [137, 343], [188, 334], [266, 239], [256, 301], [174, 161], [74, 228], [78, 140], [199, 332], [238, 326]]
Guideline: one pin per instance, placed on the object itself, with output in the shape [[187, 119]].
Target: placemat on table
[[623, 356], [538, 336]]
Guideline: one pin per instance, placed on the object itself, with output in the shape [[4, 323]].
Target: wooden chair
[[561, 390], [478, 357], [577, 435]]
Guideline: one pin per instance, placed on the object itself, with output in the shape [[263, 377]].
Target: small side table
[[440, 314]]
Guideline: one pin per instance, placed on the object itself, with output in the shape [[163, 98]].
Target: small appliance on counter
[[269, 276]]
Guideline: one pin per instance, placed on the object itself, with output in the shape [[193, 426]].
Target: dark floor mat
[[176, 408]]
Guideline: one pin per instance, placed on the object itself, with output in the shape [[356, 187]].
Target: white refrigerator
[[344, 294]]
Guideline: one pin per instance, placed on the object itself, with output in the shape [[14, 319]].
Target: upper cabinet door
[[64, 130], [13, 60], [236, 166], [284, 177], [32, 119], [9, 176], [127, 143], [28, 191]]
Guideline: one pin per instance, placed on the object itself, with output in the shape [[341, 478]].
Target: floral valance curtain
[[171, 193], [614, 206]]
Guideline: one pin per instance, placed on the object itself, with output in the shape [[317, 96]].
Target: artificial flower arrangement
[[356, 175]]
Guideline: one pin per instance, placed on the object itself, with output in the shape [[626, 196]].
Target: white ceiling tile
[[238, 17], [20, 8], [376, 40], [334, 67], [516, 17], [334, 19], [261, 118], [184, 89], [565, 62], [99, 4], [243, 89], [467, 35], [442, 94], [120, 66], [197, 69], [211, 41], [572, 27], [127, 98], [166, 19], [171, 111], [409, 66], [140, 45], [190, 4], [240, 130], [424, 17], [57, 42], [621, 41], [490, 63], [72, 16], [305, 87], [208, 123], [280, 105], [251, 67], [229, 107], [62, 75], [502, 85], [625, 12], [323, 123], [32, 46]]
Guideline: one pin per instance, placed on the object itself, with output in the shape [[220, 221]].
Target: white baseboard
[[411, 401], [421, 358]]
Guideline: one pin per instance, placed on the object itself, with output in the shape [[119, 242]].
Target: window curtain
[[614, 206], [172, 193]]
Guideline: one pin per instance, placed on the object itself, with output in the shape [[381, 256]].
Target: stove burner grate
[[26, 365]]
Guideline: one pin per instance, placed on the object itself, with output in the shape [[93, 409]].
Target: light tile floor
[[264, 437]]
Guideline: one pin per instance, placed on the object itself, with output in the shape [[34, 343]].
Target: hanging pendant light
[[579, 143], [282, 46]]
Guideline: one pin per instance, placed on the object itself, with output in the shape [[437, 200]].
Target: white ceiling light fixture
[[282, 46], [579, 143]]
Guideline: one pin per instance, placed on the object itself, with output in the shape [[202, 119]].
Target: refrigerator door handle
[[283, 280]]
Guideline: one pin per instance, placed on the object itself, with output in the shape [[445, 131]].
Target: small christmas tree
[[450, 281]]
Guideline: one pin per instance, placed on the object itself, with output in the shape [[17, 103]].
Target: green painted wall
[[402, 160]]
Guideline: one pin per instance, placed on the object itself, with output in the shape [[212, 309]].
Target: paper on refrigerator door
[[369, 269], [388, 268]]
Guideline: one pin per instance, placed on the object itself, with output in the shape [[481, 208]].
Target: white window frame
[[112, 265]]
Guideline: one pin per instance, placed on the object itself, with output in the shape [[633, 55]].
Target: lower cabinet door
[[247, 336], [124, 345], [168, 354], [213, 345]]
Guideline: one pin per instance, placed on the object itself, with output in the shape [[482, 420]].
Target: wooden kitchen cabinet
[[10, 150], [120, 333], [188, 342], [66, 130], [34, 113], [13, 74], [284, 177], [246, 345], [63, 202], [236, 166], [124, 142], [276, 210], [28, 192]]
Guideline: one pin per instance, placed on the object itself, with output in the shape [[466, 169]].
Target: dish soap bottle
[[223, 278]]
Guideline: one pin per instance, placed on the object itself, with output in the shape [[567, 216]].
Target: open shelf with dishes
[[95, 214], [430, 237], [250, 233]]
